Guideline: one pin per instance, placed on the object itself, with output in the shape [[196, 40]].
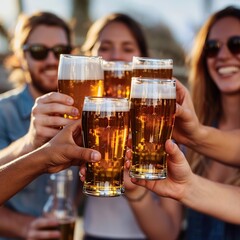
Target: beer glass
[[152, 67], [117, 78], [105, 123], [152, 114], [80, 76]]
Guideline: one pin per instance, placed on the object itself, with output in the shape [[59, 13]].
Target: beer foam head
[[117, 65], [153, 88], [73, 67], [106, 104], [152, 63]]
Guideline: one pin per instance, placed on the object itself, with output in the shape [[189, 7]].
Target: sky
[[181, 16]]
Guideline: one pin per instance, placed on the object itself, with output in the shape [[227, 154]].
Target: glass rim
[[79, 56], [114, 62], [111, 104], [160, 60], [116, 65], [106, 98], [149, 79]]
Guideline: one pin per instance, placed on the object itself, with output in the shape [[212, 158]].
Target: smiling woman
[[215, 85]]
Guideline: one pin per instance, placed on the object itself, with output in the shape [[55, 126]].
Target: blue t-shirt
[[15, 113]]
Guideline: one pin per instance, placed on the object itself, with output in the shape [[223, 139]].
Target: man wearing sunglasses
[[31, 115]]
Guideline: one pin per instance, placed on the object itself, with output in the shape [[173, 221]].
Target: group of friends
[[202, 187]]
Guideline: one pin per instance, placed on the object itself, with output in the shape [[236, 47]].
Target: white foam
[[80, 68], [106, 104], [152, 89], [117, 65], [152, 63]]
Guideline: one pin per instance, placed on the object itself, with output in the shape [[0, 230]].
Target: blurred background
[[170, 26]]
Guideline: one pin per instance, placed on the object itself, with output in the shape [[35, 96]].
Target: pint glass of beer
[[152, 114], [105, 123], [80, 76], [117, 78], [152, 67]]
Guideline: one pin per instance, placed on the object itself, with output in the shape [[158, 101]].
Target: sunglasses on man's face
[[212, 47], [40, 52]]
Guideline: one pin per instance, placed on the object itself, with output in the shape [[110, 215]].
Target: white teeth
[[228, 70], [51, 72]]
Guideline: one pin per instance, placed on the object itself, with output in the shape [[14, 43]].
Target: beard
[[41, 84]]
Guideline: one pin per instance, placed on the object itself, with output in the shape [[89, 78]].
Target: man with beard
[[32, 115]]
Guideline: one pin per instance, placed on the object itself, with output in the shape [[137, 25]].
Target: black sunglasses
[[40, 52], [212, 47]]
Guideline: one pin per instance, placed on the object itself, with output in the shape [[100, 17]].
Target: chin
[[45, 90]]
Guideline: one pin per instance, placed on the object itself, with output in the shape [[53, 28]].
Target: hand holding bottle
[[60, 206]]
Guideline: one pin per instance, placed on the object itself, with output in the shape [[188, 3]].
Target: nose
[[224, 52], [117, 55], [51, 57]]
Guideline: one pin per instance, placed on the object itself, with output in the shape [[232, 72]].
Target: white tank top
[[110, 218]]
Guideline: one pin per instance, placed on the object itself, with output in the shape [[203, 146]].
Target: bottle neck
[[60, 203], [61, 189]]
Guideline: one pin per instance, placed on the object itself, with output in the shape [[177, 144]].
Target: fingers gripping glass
[[212, 47], [40, 52]]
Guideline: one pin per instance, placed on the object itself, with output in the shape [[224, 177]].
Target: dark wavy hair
[[24, 27]]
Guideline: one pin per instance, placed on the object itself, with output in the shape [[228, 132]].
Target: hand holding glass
[[80, 76]]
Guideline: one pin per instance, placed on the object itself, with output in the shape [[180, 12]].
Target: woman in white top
[[117, 37]]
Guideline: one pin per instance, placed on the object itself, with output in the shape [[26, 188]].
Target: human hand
[[64, 149], [43, 228], [47, 118], [186, 127], [179, 175]]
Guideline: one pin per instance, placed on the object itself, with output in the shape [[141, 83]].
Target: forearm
[[218, 200], [27, 168], [15, 150], [220, 145], [153, 219], [13, 224]]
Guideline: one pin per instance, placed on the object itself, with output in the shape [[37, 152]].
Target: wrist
[[39, 160], [136, 196], [27, 144], [189, 190], [198, 137]]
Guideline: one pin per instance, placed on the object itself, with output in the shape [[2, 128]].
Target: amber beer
[[152, 67], [105, 123], [117, 78], [66, 228], [80, 76], [152, 114]]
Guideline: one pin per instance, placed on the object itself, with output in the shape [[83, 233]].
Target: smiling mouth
[[50, 72], [228, 70]]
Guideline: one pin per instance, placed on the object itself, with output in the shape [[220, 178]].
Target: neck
[[34, 92]]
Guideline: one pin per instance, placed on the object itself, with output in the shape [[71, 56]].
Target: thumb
[[175, 154], [88, 155]]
